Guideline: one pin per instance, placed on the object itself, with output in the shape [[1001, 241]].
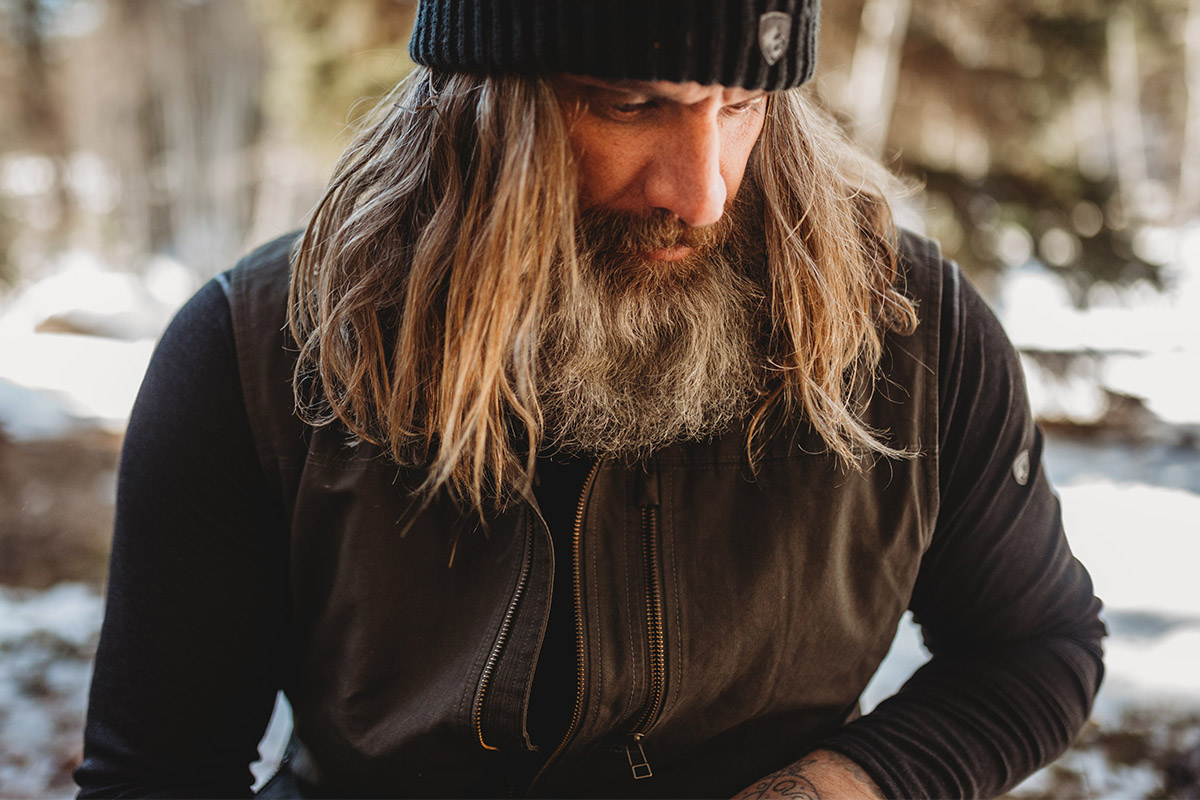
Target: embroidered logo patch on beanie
[[774, 32]]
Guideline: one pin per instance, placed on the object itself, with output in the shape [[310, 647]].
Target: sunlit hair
[[420, 284], [833, 270]]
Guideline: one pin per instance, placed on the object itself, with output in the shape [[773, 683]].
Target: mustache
[[602, 229]]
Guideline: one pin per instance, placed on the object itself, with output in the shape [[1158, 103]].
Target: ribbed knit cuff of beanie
[[752, 44]]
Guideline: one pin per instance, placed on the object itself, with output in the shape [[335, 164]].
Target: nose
[[685, 179]]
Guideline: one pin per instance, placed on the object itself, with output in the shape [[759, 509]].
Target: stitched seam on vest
[[633, 608], [239, 302], [680, 669], [933, 395]]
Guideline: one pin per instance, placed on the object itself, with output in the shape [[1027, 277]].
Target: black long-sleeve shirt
[[194, 644]]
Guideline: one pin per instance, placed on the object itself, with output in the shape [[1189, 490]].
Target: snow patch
[[1141, 544], [92, 378], [1134, 340], [70, 612]]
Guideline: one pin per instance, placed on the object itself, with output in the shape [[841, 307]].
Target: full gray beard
[[640, 355]]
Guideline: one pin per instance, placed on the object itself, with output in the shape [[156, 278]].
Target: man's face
[[656, 338], [673, 150]]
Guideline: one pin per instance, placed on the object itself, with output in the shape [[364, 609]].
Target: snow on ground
[[47, 640], [78, 341], [77, 378], [1142, 545], [1136, 341], [28, 414]]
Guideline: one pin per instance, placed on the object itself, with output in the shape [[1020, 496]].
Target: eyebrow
[[626, 85], [631, 86]]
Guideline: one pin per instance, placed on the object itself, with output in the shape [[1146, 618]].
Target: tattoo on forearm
[[795, 781], [788, 782]]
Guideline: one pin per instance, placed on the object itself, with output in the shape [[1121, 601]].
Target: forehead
[[689, 93]]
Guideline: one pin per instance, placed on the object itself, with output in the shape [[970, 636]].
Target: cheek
[[738, 146], [608, 168], [595, 175], [602, 160]]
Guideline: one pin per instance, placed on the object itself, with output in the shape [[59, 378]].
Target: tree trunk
[[1187, 206], [1125, 87], [875, 69], [41, 124]]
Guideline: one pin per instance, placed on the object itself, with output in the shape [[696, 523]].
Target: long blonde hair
[[420, 282]]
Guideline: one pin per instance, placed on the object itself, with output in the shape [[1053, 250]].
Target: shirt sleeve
[[1006, 611], [192, 646]]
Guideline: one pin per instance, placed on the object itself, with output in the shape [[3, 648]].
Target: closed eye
[[634, 108], [744, 106]]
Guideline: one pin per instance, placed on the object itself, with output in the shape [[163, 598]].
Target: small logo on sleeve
[[774, 31], [1020, 468]]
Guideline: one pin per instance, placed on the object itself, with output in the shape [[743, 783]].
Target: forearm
[[820, 774], [192, 646], [975, 726], [1008, 614]]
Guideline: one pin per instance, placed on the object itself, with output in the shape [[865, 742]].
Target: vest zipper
[[656, 645], [577, 593], [502, 637]]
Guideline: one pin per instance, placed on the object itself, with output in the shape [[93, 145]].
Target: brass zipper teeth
[[654, 623], [577, 592], [502, 638]]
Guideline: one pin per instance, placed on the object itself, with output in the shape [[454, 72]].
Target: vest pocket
[[501, 701]]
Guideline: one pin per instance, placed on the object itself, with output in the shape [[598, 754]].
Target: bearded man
[[592, 439]]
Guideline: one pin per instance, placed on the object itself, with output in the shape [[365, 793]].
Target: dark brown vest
[[732, 619]]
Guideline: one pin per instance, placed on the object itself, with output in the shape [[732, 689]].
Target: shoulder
[[913, 357], [924, 274], [261, 277], [274, 256], [957, 323], [946, 298], [257, 292], [919, 251]]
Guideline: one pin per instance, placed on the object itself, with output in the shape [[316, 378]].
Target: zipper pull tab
[[637, 758]]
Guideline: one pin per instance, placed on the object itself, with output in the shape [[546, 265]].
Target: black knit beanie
[[752, 44]]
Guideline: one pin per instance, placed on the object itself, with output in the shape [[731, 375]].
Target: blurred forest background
[[144, 144]]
